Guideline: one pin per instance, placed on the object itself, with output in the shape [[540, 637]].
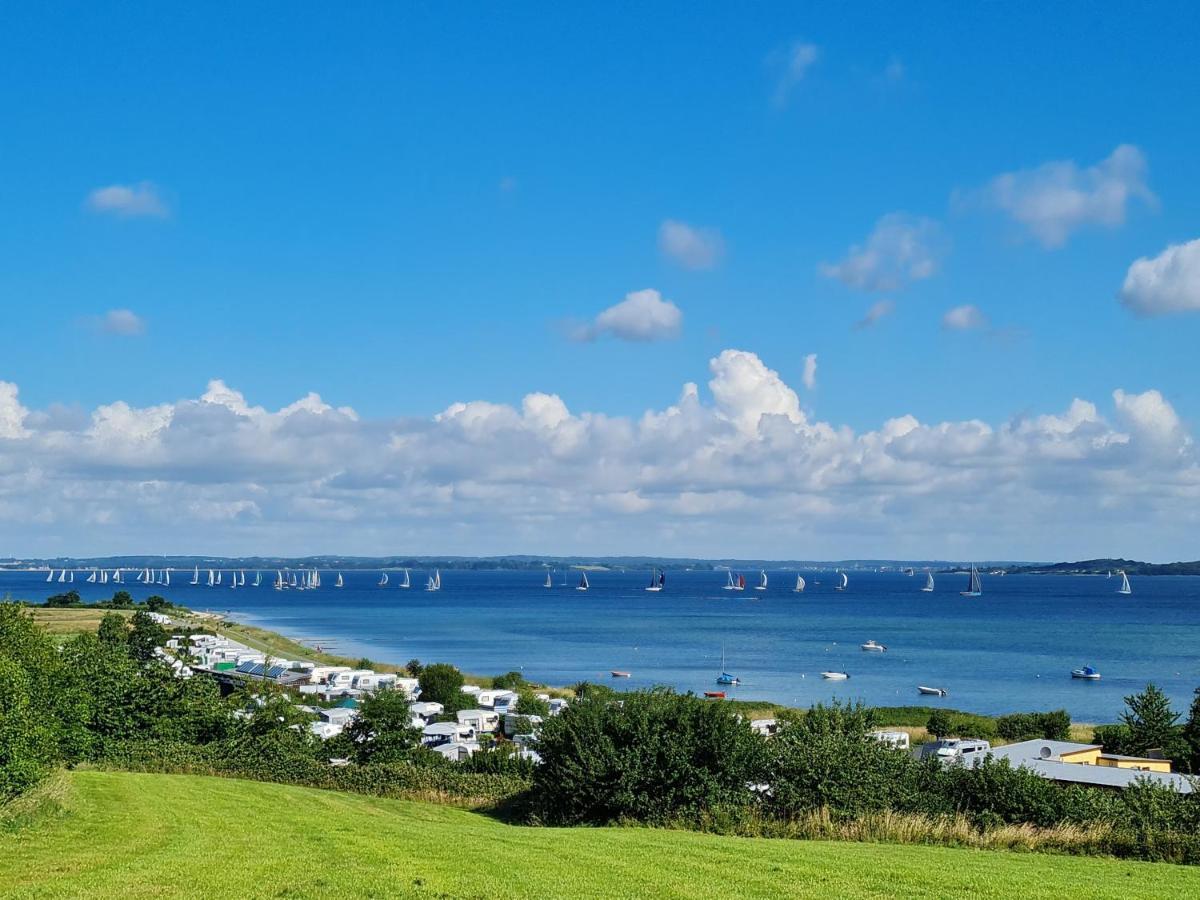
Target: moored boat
[[873, 647], [617, 673], [834, 676], [1087, 673], [974, 585], [714, 695], [932, 691]]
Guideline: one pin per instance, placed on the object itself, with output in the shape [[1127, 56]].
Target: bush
[[652, 757], [939, 724], [442, 683], [509, 681], [1052, 726]]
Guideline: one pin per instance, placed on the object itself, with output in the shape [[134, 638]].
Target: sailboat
[[383, 579], [71, 577], [279, 584], [195, 576], [974, 586], [220, 574], [104, 576], [166, 578], [50, 577], [242, 578], [725, 677], [257, 578], [62, 576], [292, 582], [549, 581], [118, 578], [1124, 588], [339, 583], [434, 583], [212, 578], [583, 582], [91, 579], [799, 588], [928, 589], [762, 581], [844, 584], [731, 584], [657, 580], [407, 582]]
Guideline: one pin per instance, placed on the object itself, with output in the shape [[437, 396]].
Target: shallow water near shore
[[1011, 649]]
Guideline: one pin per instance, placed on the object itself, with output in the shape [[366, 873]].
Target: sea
[[1010, 650]]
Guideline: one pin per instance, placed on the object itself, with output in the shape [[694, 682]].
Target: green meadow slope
[[132, 836]]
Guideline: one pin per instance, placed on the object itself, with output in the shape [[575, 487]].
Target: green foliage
[[364, 663], [122, 600], [1052, 726], [509, 681], [1152, 723], [529, 704], [145, 636], [590, 689], [413, 667], [939, 723], [113, 630], [382, 731], [442, 683], [653, 757], [70, 598], [155, 603], [1191, 734]]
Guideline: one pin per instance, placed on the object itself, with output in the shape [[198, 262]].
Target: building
[[1071, 763]]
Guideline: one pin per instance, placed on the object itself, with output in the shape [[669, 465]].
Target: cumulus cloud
[[123, 322], [1168, 283], [730, 467], [899, 250], [128, 201], [1058, 198], [809, 376], [690, 246], [875, 312], [641, 316], [964, 318], [791, 65]]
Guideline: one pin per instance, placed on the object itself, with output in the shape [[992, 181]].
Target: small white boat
[[928, 589], [50, 577], [166, 578], [762, 581], [1087, 673], [339, 583], [117, 577], [844, 584], [657, 580], [71, 577], [242, 578], [799, 588], [195, 576], [91, 579], [435, 582], [383, 579], [583, 582], [730, 585], [104, 576], [932, 691], [407, 582], [873, 647], [549, 581], [1125, 587], [280, 584], [62, 577], [834, 676], [257, 578], [974, 585], [220, 575]]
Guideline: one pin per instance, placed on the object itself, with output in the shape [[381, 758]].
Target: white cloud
[[731, 468], [1058, 198], [641, 316], [877, 311], [964, 318], [690, 246], [900, 249], [809, 376], [1168, 283], [792, 65], [128, 201], [123, 322]]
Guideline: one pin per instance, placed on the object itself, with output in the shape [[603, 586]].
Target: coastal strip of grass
[[137, 835]]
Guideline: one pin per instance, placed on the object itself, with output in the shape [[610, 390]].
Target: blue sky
[[402, 208]]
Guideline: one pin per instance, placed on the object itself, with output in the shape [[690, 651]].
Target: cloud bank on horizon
[[740, 469]]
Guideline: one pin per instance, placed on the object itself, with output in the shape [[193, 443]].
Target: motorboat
[[834, 676], [1087, 673], [617, 673], [726, 678], [873, 647], [714, 695], [932, 691]]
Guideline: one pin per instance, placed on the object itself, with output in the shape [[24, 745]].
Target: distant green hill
[[1103, 566], [134, 836]]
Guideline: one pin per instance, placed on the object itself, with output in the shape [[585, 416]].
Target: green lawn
[[131, 836]]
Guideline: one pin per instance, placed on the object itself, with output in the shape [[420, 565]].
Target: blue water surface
[[1011, 649]]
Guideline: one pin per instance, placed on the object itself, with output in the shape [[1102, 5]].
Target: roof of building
[[1045, 758]]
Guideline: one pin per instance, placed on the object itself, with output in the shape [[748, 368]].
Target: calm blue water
[[1010, 650]]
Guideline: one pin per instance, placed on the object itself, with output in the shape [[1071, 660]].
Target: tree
[[442, 683], [113, 630], [529, 704], [1191, 733], [383, 731], [122, 600], [413, 667], [1151, 723], [145, 636], [509, 681], [939, 724], [70, 598], [155, 603]]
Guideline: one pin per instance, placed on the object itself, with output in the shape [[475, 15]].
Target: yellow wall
[[1086, 757], [1146, 765]]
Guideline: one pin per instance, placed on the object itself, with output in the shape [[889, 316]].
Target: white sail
[[220, 575], [50, 577], [407, 582], [118, 578], [278, 580], [91, 579], [583, 582], [257, 578], [928, 583], [62, 576], [339, 583], [241, 579], [799, 589], [1125, 587], [71, 578], [166, 577], [762, 581], [845, 583], [196, 576], [974, 585], [104, 576], [383, 579], [549, 582]]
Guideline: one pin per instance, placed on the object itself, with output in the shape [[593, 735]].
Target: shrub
[[509, 681], [441, 683], [939, 724], [1053, 726], [654, 756]]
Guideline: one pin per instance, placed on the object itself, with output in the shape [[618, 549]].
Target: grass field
[[133, 836]]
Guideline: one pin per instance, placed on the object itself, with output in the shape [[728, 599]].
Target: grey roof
[[1045, 758]]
